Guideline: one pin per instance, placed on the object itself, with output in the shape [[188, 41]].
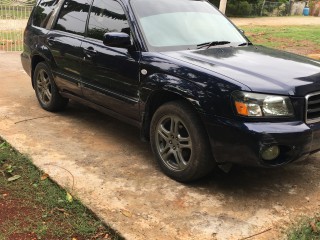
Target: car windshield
[[184, 24]]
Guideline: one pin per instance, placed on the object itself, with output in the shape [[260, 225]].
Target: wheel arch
[[41, 54], [157, 99], [36, 59]]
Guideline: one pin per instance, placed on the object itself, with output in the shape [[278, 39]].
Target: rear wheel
[[46, 90], [180, 143]]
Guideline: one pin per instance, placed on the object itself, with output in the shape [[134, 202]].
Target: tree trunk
[[261, 12], [223, 6]]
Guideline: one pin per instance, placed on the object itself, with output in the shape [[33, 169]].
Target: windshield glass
[[183, 24]]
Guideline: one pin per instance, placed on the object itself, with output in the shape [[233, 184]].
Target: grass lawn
[[34, 207], [10, 12], [303, 40], [307, 229], [11, 40]]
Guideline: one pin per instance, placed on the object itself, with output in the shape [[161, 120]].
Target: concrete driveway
[[114, 174]]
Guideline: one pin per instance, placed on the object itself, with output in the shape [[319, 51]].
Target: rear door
[[64, 41], [110, 74]]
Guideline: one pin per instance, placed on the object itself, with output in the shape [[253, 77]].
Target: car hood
[[261, 69]]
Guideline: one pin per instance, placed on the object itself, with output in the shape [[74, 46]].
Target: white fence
[[13, 19]]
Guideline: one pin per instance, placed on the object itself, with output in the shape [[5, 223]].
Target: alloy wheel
[[173, 142], [44, 87]]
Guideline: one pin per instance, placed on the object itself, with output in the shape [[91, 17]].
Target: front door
[[110, 75]]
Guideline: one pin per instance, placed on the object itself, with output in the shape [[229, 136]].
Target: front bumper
[[242, 142]]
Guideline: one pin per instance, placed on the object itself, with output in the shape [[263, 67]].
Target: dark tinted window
[[43, 12], [106, 16], [73, 16]]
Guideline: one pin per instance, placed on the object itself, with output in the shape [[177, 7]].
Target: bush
[[215, 2], [239, 8]]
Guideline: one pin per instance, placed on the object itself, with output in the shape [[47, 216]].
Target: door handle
[[50, 41], [90, 52]]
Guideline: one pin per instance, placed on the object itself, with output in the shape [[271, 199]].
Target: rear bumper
[[26, 63], [242, 142]]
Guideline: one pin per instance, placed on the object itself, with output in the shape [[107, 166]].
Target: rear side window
[[43, 12], [73, 16], [106, 16]]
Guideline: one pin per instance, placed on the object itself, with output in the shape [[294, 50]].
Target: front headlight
[[262, 105]]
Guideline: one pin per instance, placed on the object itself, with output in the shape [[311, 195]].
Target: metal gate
[[13, 19]]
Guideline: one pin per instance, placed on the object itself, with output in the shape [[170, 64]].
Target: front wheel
[[179, 142]]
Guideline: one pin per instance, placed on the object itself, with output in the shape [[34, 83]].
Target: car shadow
[[290, 183], [295, 180]]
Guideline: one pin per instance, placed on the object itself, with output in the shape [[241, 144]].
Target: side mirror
[[117, 39], [242, 31]]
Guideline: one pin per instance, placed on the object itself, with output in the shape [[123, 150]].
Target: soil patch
[[277, 21]]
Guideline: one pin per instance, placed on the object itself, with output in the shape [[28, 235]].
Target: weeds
[[34, 206]]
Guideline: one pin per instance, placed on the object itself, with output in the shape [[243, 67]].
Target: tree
[[264, 2], [223, 6]]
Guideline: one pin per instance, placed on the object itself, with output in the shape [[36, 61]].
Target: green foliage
[[306, 229], [239, 8], [215, 2], [245, 8], [270, 36], [25, 2]]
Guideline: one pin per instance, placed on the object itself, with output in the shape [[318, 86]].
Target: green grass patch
[[306, 229], [287, 36], [11, 12], [34, 207], [11, 40], [11, 34]]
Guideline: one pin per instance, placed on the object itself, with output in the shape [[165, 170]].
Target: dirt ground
[[277, 21], [305, 47]]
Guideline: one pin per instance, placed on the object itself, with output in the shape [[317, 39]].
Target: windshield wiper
[[245, 44], [210, 44]]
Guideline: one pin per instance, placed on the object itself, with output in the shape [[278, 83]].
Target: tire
[[46, 90], [180, 143]]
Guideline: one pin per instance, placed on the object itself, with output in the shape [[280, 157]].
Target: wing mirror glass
[[117, 39]]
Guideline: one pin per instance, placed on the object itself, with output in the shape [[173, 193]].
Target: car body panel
[[110, 77], [240, 142], [261, 69], [67, 54]]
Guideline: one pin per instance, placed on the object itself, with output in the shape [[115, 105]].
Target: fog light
[[270, 153]]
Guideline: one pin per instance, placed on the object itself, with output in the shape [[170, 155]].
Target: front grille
[[313, 108]]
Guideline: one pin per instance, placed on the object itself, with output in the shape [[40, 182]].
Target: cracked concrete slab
[[102, 162]]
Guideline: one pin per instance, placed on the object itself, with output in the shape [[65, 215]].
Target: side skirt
[[102, 109]]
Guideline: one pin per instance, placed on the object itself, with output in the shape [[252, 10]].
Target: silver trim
[[314, 120]]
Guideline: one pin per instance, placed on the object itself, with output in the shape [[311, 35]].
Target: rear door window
[[73, 16], [43, 12], [106, 16]]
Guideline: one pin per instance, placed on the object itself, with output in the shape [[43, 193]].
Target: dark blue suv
[[183, 73]]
